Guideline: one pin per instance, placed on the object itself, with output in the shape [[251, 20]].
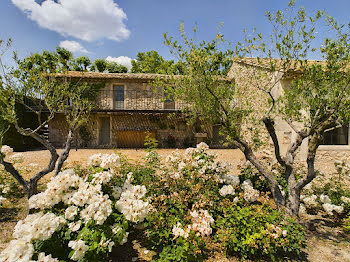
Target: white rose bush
[[329, 196], [195, 201], [186, 208], [78, 217]]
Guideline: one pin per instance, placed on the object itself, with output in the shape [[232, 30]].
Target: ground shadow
[[8, 214]]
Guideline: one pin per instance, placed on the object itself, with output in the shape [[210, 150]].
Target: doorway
[[105, 131]]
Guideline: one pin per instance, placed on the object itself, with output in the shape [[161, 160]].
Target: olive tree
[[40, 85], [316, 101]]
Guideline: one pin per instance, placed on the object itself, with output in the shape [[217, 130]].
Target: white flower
[[329, 208], [250, 194], [79, 248], [109, 244], [102, 178], [284, 233], [345, 199], [38, 226], [71, 212], [2, 199], [6, 150], [231, 179], [201, 221], [74, 226], [130, 204], [227, 190], [310, 201], [95, 160], [17, 251], [178, 231], [110, 161], [325, 199], [202, 146], [43, 258]]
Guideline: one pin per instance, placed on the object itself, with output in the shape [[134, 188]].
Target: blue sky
[[122, 28]]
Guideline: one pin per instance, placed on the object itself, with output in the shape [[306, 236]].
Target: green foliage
[[204, 86], [113, 67], [334, 187], [152, 62], [347, 225], [256, 232], [81, 63], [100, 65], [8, 186], [151, 144], [85, 135]]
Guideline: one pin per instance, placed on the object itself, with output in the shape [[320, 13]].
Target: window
[[339, 136], [118, 92], [169, 102]]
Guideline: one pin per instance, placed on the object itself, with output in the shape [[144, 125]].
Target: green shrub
[[347, 225], [258, 231]]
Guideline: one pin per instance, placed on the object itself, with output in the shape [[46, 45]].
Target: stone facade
[[129, 109], [126, 130], [251, 94]]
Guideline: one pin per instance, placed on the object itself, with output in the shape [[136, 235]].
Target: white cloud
[[89, 20], [73, 46], [123, 60]]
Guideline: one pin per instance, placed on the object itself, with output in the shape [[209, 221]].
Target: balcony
[[135, 100]]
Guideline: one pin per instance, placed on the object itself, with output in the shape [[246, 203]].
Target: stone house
[[129, 108], [336, 144]]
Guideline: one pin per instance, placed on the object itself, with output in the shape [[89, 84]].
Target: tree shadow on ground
[[127, 252], [9, 214], [326, 229]]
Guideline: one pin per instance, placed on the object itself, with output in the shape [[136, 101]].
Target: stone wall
[[252, 84], [138, 95], [126, 126]]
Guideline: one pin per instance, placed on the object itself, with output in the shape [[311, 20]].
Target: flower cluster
[[329, 208], [79, 248], [201, 223], [342, 167], [198, 160], [37, 226], [231, 179], [227, 190], [106, 161], [17, 251], [131, 204], [6, 150], [60, 188], [250, 194], [275, 231], [178, 231], [68, 204]]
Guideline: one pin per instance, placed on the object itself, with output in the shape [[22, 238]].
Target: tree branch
[[64, 155], [269, 124], [10, 168]]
